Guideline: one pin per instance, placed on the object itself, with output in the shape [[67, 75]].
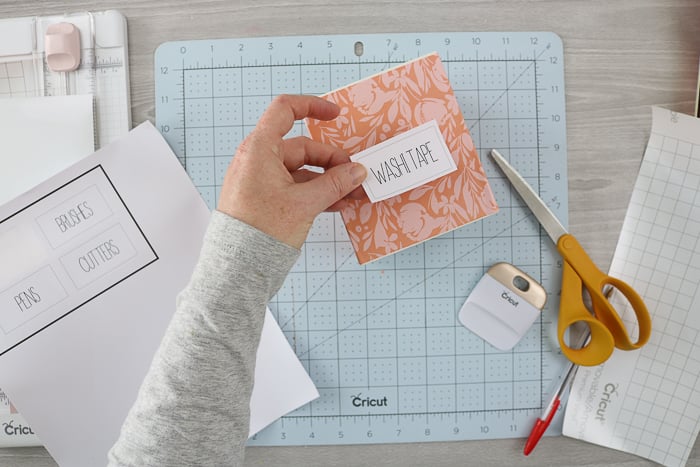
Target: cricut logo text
[[608, 391], [506, 296], [359, 401], [10, 430]]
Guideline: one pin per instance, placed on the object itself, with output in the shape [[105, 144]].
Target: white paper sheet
[[647, 402], [40, 136], [281, 382], [92, 261]]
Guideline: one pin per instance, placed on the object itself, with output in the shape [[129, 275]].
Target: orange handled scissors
[[607, 329]]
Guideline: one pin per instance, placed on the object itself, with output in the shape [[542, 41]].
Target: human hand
[[265, 185]]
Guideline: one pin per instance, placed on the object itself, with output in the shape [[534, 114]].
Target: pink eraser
[[62, 44]]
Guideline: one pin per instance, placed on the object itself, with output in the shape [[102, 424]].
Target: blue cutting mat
[[382, 342]]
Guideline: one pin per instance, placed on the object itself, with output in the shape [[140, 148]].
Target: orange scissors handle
[[607, 329], [571, 311]]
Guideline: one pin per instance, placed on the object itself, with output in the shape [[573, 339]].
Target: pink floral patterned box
[[385, 105]]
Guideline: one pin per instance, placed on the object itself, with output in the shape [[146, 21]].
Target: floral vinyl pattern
[[385, 105]]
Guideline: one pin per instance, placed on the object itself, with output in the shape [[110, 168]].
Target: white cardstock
[[40, 136], [405, 161]]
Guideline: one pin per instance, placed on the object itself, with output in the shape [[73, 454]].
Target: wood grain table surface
[[621, 57]]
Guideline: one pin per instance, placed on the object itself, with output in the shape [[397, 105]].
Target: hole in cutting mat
[[359, 48]]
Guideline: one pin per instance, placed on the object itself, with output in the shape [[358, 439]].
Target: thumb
[[333, 185]]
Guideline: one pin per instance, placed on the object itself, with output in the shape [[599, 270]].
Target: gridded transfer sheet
[[382, 342], [648, 402]]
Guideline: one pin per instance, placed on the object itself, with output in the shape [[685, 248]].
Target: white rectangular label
[[405, 161], [98, 256], [29, 297], [73, 217]]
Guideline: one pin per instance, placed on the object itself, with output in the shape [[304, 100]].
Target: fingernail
[[359, 173]]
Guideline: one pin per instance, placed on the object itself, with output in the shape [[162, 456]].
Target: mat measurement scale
[[382, 342]]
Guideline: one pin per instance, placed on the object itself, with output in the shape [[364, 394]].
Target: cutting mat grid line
[[382, 341]]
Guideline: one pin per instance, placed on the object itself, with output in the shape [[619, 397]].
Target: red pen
[[545, 419]]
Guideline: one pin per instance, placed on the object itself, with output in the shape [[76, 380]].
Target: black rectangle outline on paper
[[99, 166]]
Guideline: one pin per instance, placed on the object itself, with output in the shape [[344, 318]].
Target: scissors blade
[[544, 215]]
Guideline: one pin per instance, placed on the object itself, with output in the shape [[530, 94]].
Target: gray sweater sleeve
[[193, 406]]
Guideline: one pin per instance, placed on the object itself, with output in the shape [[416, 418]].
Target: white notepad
[[647, 402]]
